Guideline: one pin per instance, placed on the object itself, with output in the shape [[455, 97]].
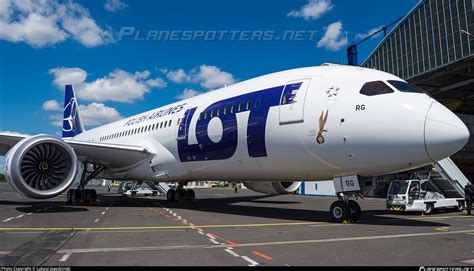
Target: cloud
[[209, 77], [118, 85], [52, 105], [313, 10], [360, 36], [114, 5], [212, 77], [42, 23], [187, 93], [334, 38], [91, 115], [157, 83], [179, 76]]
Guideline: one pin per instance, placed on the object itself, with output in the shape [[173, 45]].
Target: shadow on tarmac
[[228, 205]]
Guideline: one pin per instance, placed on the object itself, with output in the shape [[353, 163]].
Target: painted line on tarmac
[[231, 252], [128, 231], [192, 226], [251, 262], [65, 257], [129, 249], [266, 257], [346, 239], [212, 237], [158, 227], [292, 242]]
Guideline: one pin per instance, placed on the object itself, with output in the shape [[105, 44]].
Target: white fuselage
[[276, 134]]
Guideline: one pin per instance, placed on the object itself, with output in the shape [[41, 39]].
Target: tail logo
[[70, 115], [72, 124]]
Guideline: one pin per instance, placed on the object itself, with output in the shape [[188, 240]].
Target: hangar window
[[404, 86], [375, 88]]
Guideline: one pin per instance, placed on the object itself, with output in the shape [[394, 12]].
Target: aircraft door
[[292, 101], [181, 132]]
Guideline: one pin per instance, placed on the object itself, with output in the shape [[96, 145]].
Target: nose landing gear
[[345, 210]]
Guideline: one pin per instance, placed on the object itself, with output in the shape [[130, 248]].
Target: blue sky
[[44, 45]]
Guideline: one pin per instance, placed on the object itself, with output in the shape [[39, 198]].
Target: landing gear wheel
[[181, 194], [340, 212], [190, 194], [356, 211], [171, 195], [428, 209], [460, 206]]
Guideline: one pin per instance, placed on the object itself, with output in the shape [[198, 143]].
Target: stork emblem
[[322, 121]]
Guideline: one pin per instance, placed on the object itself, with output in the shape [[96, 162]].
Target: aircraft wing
[[113, 155]]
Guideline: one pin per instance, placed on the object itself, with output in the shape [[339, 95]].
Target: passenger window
[[169, 124], [232, 109], [240, 107], [161, 125], [205, 115], [257, 103], [375, 88], [284, 99], [226, 108], [249, 104], [218, 112], [404, 86], [211, 114]]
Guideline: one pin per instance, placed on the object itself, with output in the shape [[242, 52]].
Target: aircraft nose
[[445, 133]]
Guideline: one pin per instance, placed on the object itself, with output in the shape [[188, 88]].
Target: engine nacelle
[[41, 166], [273, 188]]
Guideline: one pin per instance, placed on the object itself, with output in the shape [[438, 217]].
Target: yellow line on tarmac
[[158, 227], [212, 226]]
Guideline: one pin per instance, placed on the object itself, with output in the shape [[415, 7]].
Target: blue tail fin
[[72, 124]]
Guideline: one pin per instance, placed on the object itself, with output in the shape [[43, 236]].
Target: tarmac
[[222, 228]]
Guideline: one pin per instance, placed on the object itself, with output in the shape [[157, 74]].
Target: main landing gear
[[345, 210], [82, 196], [180, 194]]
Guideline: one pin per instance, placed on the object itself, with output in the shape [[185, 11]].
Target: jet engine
[[273, 188], [41, 166]]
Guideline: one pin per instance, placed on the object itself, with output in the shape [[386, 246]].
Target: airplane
[[271, 133]]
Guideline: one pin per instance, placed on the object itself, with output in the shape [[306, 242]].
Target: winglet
[[72, 124]]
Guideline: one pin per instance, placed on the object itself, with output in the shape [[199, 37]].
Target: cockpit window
[[404, 86], [375, 88]]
